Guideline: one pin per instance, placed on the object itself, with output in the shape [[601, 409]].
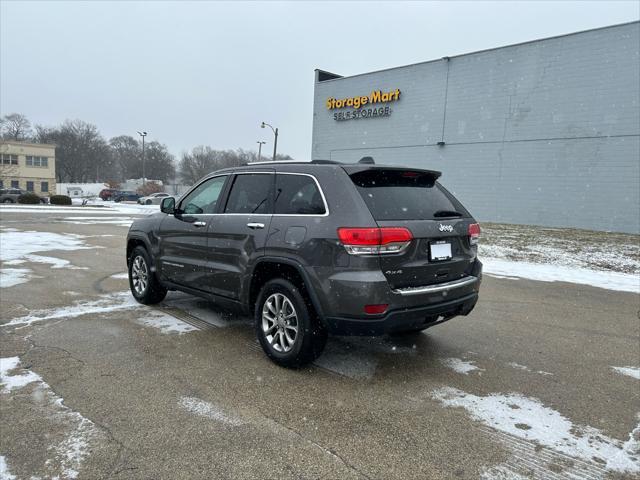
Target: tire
[[7, 200], [148, 202], [143, 283], [275, 335]]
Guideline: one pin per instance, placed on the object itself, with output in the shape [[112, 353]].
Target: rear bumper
[[403, 319], [409, 309]]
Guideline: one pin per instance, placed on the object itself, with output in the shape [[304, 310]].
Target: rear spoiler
[[359, 167]]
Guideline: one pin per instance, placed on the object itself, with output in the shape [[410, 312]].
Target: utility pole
[[260, 149], [144, 179], [275, 141]]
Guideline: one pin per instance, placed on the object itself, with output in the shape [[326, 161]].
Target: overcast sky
[[207, 73]]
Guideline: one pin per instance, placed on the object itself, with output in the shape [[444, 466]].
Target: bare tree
[[15, 126], [126, 153], [82, 154], [203, 160]]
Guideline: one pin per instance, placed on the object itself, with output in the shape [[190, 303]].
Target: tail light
[[474, 233], [374, 241]]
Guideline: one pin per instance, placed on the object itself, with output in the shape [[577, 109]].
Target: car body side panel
[[183, 249]]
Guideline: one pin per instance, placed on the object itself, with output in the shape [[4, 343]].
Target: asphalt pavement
[[538, 382]]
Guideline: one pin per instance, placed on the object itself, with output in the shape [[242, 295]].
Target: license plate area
[[439, 251]]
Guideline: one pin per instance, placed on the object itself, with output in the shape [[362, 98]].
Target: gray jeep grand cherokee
[[313, 248]]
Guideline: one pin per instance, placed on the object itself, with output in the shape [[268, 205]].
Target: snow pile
[[4, 470], [624, 282], [460, 366], [528, 419], [69, 453], [633, 372], [12, 382], [208, 410], [10, 277]]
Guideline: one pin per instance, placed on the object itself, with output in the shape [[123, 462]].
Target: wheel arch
[[137, 241], [268, 268]]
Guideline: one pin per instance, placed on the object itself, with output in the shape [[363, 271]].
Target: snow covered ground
[[599, 259], [93, 208], [522, 418], [67, 454], [19, 247]]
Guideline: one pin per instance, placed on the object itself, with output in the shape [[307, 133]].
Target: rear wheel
[[142, 281], [148, 202], [286, 326], [7, 200]]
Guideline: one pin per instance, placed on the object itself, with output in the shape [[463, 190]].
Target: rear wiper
[[447, 213]]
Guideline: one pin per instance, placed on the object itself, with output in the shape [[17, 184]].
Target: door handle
[[199, 224], [255, 226]]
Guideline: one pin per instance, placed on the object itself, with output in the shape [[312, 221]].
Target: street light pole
[[144, 180], [260, 149], [275, 141]]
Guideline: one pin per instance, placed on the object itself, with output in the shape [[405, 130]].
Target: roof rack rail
[[275, 161], [326, 162]]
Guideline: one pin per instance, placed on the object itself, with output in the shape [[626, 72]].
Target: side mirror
[[168, 205]]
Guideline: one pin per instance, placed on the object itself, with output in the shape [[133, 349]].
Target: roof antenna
[[367, 161]]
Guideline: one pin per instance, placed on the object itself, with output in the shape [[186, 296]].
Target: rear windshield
[[405, 195]]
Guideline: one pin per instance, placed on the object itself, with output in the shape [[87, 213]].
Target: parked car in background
[[125, 196], [107, 193], [10, 195], [153, 199]]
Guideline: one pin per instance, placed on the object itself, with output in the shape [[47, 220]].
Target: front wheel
[[148, 202], [142, 281], [286, 325], [7, 200]]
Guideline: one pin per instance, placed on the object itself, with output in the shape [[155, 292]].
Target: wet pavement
[[538, 382]]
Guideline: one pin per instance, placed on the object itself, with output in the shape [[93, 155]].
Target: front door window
[[204, 199]]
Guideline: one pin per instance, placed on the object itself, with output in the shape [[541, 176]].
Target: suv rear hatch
[[443, 233]]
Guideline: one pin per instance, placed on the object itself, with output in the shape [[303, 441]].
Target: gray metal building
[[544, 133]]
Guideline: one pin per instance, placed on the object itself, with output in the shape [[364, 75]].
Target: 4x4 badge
[[445, 228]]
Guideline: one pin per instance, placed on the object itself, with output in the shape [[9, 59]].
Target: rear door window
[[298, 195], [250, 193], [406, 195]]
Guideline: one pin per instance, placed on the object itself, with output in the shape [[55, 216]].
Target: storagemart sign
[[359, 104]]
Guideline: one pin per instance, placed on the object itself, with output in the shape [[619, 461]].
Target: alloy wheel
[[139, 275], [279, 322]]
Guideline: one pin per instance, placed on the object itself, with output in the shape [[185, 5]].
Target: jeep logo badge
[[445, 228]]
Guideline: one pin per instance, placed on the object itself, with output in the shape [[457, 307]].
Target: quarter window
[[250, 194], [8, 159], [298, 195], [204, 199]]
